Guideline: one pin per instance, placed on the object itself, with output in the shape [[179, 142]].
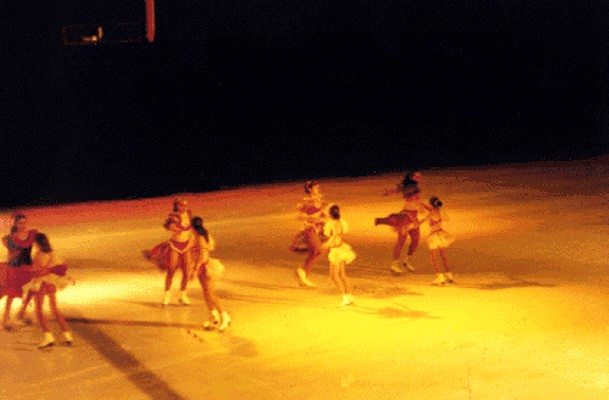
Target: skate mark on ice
[[511, 285], [392, 312], [233, 345], [123, 322], [266, 286], [151, 304]]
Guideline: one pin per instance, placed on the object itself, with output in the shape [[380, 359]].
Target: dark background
[[253, 91]]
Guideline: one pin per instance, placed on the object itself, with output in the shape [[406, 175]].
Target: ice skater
[[407, 222], [311, 214], [19, 267], [340, 253], [50, 277], [437, 241], [176, 253], [209, 271]]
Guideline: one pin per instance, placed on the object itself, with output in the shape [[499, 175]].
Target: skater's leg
[[397, 248], [343, 277], [414, 240], [61, 320], [7, 313], [334, 275], [314, 249], [447, 270], [434, 261]]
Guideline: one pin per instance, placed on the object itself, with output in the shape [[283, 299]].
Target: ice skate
[[440, 280], [184, 300], [396, 267], [303, 279], [166, 297], [449, 277], [225, 322], [347, 300], [214, 322], [68, 338], [48, 340], [406, 263], [24, 319]]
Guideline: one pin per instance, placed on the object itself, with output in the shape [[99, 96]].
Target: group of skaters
[[322, 229], [34, 272]]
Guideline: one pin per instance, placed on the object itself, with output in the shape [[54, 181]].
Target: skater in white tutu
[[437, 241], [210, 270], [339, 254]]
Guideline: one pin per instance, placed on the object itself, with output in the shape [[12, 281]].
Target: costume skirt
[[343, 253], [439, 240]]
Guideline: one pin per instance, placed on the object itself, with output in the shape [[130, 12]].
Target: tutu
[[56, 278], [343, 253], [160, 255], [213, 268], [16, 278], [439, 240]]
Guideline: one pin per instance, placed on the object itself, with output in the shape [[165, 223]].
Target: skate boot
[[166, 297], [440, 280], [347, 300], [47, 341], [449, 277], [303, 279], [214, 322], [225, 322], [184, 300], [408, 264], [396, 267], [68, 339], [21, 316]]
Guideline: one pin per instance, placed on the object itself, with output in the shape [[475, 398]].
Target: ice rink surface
[[527, 318]]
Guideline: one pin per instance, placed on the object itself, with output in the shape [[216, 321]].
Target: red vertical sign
[[150, 21]]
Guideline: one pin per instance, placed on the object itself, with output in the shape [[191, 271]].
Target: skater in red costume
[[311, 213], [437, 241], [50, 277], [176, 253], [19, 267], [407, 222], [210, 270]]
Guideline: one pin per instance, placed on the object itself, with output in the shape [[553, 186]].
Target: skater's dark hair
[[18, 217], [308, 186], [334, 211], [409, 179], [435, 202], [43, 241], [177, 202], [197, 225]]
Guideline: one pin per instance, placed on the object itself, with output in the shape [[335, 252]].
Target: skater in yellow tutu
[[437, 241]]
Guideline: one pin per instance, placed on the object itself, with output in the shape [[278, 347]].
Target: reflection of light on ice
[[90, 291]]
